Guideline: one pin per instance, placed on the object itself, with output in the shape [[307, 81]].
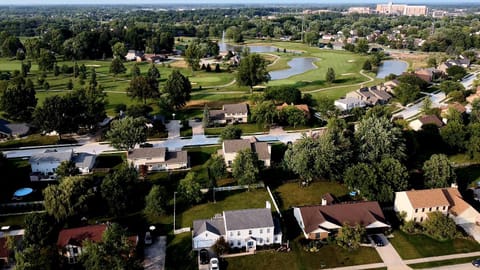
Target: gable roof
[[13, 129], [233, 146], [362, 213], [431, 119], [147, 153], [76, 236], [176, 157], [49, 157], [84, 160], [214, 225], [302, 107], [261, 148], [235, 108], [426, 198], [457, 204], [248, 219]]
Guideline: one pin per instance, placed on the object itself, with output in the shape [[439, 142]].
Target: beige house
[[158, 159], [230, 113], [371, 96], [230, 148]]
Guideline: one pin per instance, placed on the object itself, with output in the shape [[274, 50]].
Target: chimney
[[324, 202]]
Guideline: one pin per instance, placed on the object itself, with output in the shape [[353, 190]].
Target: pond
[[391, 66], [297, 65]]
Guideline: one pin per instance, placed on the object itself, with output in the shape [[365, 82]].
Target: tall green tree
[[125, 133], [252, 71], [120, 190], [193, 54], [117, 67], [189, 189], [440, 226], [176, 91], [155, 201], [293, 116], [231, 132], [350, 236], [135, 71], [438, 171], [406, 93], [217, 168], [246, 167], [46, 60], [141, 89], [265, 113], [330, 76], [119, 50], [67, 168], [19, 101], [40, 229], [301, 158]]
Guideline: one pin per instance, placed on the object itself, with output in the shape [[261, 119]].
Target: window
[[423, 209], [444, 208], [430, 209], [231, 243], [416, 210], [206, 234], [268, 230], [275, 238], [238, 233], [317, 236], [239, 243], [438, 208], [261, 231], [249, 232], [415, 219], [421, 219]]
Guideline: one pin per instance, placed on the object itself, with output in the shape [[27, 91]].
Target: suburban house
[[45, 164], [158, 159], [417, 124], [462, 62], [428, 74], [320, 221], [371, 96], [154, 58], [9, 130], [346, 104], [70, 241], [302, 107], [389, 86], [5, 252], [230, 113], [247, 228], [134, 55], [456, 106], [416, 204], [230, 148]]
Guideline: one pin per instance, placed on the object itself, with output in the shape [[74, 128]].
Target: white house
[[84, 162], [230, 113], [346, 104], [45, 164], [158, 159], [247, 228], [416, 204], [230, 149]]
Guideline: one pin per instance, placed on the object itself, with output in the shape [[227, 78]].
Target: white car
[[214, 264], [148, 238]]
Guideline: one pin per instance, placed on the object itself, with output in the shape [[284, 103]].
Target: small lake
[[297, 65], [391, 66]]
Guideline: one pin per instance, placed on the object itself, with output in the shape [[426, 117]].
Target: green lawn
[[328, 256], [419, 245], [246, 129], [34, 140], [199, 157], [442, 263], [292, 194]]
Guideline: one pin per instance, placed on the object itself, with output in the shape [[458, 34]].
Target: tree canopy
[[176, 91], [127, 132], [438, 172], [246, 167], [252, 71]]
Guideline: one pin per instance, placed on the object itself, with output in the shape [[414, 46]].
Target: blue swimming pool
[[22, 192]]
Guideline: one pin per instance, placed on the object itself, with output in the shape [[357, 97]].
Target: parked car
[[204, 257], [476, 262], [214, 264], [377, 240], [148, 238]]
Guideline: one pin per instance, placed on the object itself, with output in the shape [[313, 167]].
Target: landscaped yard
[[33, 140], [419, 245], [246, 129], [442, 263]]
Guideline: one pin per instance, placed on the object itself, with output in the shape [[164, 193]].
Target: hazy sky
[[137, 2]]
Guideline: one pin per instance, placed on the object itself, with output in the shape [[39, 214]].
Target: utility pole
[[303, 23], [174, 208]]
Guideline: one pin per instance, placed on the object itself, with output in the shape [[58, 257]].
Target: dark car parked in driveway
[[476, 262], [204, 257], [377, 240]]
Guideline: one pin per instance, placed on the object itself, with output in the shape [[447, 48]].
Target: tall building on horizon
[[401, 9]]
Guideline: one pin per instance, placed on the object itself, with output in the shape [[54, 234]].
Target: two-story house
[[44, 165], [320, 221], [158, 159], [346, 104], [247, 228], [230, 149], [230, 113], [371, 96]]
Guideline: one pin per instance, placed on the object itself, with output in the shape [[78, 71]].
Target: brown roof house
[[158, 159], [230, 148], [302, 107], [416, 204], [5, 252], [230, 113], [371, 96], [428, 74], [319, 221], [70, 241], [417, 124]]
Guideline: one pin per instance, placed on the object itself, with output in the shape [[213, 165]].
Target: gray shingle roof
[[147, 153], [248, 219], [214, 225], [16, 129], [235, 108], [233, 146], [84, 160], [51, 157], [177, 157], [261, 148]]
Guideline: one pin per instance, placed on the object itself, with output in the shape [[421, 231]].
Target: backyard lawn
[[419, 245]]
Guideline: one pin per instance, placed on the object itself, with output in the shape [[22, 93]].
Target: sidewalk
[[443, 258]]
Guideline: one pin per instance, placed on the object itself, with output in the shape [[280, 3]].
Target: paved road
[[155, 254], [415, 109]]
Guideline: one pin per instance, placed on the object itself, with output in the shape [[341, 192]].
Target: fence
[[181, 230], [231, 188], [274, 202]]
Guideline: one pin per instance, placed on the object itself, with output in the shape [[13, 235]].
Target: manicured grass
[[246, 129], [419, 245], [180, 254], [199, 161], [464, 159], [112, 160], [469, 175], [328, 256], [33, 140], [16, 221], [292, 194], [442, 263]]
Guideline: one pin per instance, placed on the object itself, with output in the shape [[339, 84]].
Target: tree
[[120, 190], [119, 50], [140, 89], [19, 101], [138, 110], [438, 172], [252, 71], [406, 93], [246, 167], [189, 189], [93, 78], [176, 91], [117, 67], [362, 46], [135, 71], [34, 257], [293, 116], [193, 54], [301, 157], [454, 134], [432, 62], [153, 75], [326, 108], [206, 117], [221, 246], [367, 65], [475, 113], [125, 133], [349, 237], [40, 230], [450, 86], [217, 168], [113, 252], [155, 201], [46, 60], [264, 113], [377, 138], [67, 168], [231, 132], [67, 199], [234, 33], [330, 77], [427, 106], [440, 227], [456, 72], [283, 94], [392, 176]]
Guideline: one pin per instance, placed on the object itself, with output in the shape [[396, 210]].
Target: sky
[[188, 2]]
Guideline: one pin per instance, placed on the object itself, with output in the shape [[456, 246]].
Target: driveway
[[415, 109], [173, 128], [389, 255], [155, 254], [197, 127]]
